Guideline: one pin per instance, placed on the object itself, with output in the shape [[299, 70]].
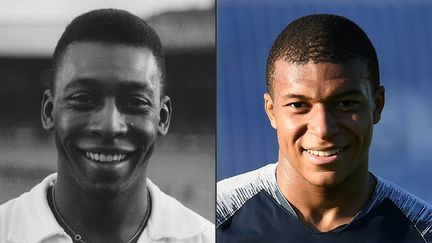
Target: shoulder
[[417, 211], [22, 214], [6, 217], [234, 192], [171, 221]]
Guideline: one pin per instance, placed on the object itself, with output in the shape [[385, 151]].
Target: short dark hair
[[323, 38], [110, 26]]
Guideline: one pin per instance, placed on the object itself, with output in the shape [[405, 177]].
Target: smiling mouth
[[325, 153], [106, 158]]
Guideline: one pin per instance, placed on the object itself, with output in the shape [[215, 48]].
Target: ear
[[378, 104], [269, 109], [47, 110], [164, 115]]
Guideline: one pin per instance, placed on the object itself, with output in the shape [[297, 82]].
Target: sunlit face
[[106, 113], [324, 115]]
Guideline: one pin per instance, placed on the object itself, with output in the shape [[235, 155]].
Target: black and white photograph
[[107, 123]]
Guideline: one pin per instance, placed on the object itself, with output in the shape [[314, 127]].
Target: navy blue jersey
[[251, 208]]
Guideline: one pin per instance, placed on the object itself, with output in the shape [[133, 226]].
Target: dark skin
[[106, 113], [324, 115]]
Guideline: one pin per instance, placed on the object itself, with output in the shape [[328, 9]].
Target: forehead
[[108, 63], [319, 77]]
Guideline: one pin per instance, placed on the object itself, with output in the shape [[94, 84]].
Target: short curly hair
[[110, 26], [323, 38]]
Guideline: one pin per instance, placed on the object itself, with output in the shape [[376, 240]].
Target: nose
[[322, 123], [108, 122]]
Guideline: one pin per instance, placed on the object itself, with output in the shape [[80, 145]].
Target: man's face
[[106, 113], [324, 115]]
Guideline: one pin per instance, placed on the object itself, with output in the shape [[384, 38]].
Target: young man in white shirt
[[106, 106]]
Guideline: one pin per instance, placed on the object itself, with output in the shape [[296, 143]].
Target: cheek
[[67, 123], [290, 130], [361, 126], [145, 130]]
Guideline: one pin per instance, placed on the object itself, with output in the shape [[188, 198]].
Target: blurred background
[[183, 164], [402, 35]]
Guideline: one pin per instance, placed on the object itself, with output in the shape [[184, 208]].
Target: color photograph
[[323, 121]]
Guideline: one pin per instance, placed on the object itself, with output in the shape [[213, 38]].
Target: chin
[[105, 190], [328, 179]]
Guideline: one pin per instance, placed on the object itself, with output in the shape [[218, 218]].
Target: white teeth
[[105, 157], [325, 153]]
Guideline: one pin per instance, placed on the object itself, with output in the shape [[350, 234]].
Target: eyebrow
[[81, 82], [296, 96], [337, 95], [349, 93], [126, 85]]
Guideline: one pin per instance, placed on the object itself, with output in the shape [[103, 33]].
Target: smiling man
[[106, 107], [323, 98]]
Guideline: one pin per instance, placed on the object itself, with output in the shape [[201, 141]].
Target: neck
[[114, 218], [323, 208]]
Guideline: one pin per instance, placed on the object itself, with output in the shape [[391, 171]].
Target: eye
[[347, 104], [298, 105], [137, 102], [81, 99]]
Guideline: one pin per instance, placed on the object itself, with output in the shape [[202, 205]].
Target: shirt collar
[[382, 191], [170, 219], [32, 219]]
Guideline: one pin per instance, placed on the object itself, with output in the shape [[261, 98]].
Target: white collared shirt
[[28, 219]]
